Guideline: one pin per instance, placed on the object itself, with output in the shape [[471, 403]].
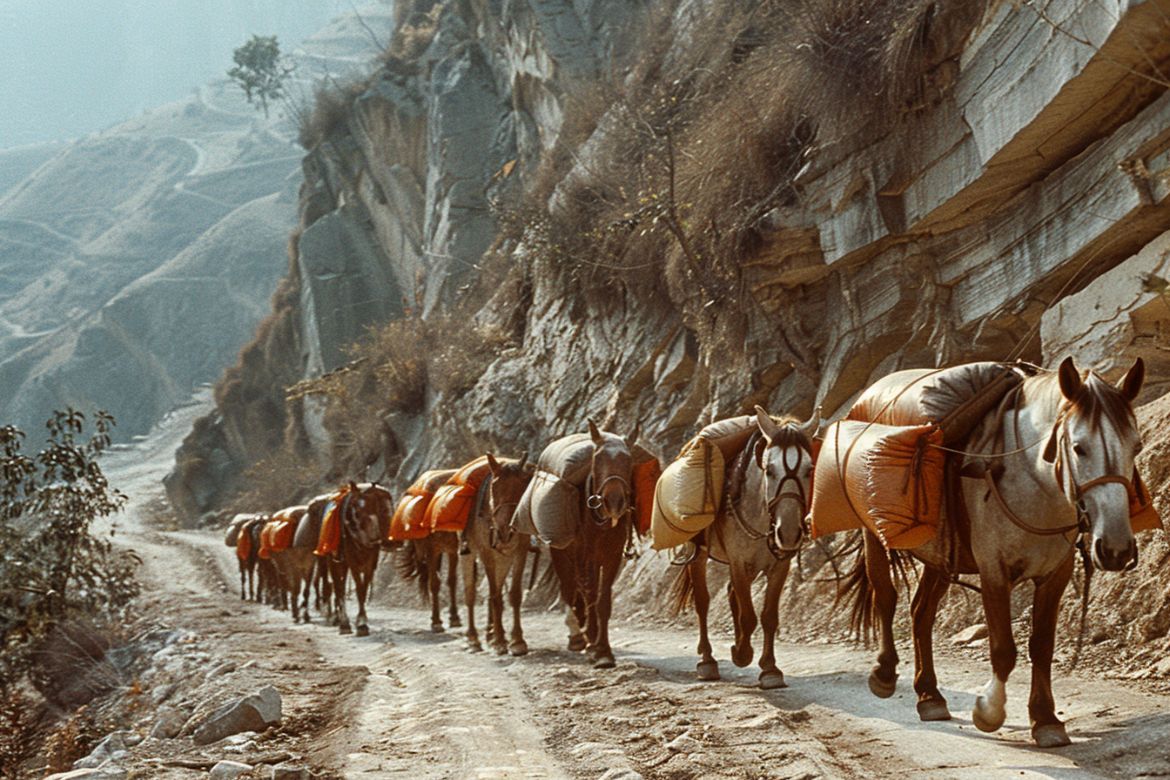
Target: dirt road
[[407, 702]]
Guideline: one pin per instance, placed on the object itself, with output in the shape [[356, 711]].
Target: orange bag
[[885, 478], [1143, 515], [409, 521], [330, 537], [244, 543], [454, 502]]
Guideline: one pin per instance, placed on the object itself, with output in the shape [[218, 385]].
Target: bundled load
[[329, 539], [550, 507], [244, 539], [454, 501], [278, 533], [881, 468], [689, 494], [232, 534], [409, 521]]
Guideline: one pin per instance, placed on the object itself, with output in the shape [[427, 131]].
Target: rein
[[595, 502]]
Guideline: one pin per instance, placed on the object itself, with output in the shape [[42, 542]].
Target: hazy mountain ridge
[[135, 262]]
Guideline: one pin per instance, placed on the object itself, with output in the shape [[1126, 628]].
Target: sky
[[70, 67]]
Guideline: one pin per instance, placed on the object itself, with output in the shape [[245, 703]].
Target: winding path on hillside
[[433, 709]]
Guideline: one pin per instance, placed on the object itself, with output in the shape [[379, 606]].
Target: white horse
[[1052, 464], [759, 531]]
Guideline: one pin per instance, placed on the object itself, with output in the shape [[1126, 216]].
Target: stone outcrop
[[1031, 161], [254, 712]]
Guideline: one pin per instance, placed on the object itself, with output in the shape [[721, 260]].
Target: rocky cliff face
[[553, 234], [134, 262]]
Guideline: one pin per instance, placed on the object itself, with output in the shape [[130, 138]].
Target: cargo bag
[[409, 520], [454, 501], [887, 479]]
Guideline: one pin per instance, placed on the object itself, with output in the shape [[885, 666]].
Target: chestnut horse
[[586, 568], [1053, 463], [500, 549], [365, 512], [295, 565], [759, 531]]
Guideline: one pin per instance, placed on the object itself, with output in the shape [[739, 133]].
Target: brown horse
[[295, 565], [587, 567], [429, 553], [239, 536], [315, 570], [1057, 458], [493, 543], [364, 513], [759, 531]]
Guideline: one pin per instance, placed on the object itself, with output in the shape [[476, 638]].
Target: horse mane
[[1097, 400], [791, 434]]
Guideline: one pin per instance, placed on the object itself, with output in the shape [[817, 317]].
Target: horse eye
[[1079, 450]]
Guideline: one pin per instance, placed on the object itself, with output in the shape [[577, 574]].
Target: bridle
[[496, 536], [791, 474], [596, 499]]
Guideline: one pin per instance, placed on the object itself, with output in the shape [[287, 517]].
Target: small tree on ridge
[[260, 71]]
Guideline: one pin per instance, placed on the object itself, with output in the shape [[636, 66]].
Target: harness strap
[[993, 490]]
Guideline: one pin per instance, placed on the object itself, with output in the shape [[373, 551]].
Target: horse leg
[[989, 713], [338, 573], [588, 572], [708, 667], [306, 586], [884, 677], [470, 581], [1047, 729], [566, 571], [436, 560], [745, 622], [362, 577], [243, 578], [608, 568], [771, 676], [452, 588], [495, 578], [923, 609], [325, 590], [515, 595]]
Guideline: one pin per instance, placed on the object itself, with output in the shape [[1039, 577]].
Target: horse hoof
[[474, 646], [1050, 735], [742, 658], [500, 648], [591, 653], [363, 630], [932, 710], [983, 718], [344, 629], [707, 670], [455, 622], [577, 643], [437, 628], [518, 647], [772, 679], [604, 661], [881, 688]]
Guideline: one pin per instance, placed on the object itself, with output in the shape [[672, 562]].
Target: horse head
[[786, 459], [1092, 447], [611, 496], [509, 480], [367, 509]]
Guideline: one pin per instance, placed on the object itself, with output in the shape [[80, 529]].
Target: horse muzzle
[[1109, 558]]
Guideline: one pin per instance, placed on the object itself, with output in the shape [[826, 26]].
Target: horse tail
[[406, 562], [682, 592], [856, 585]]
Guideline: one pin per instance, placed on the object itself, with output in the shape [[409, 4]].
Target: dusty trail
[[424, 706]]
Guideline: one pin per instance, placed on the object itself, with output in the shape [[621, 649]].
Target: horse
[[493, 542], [759, 531], [364, 513], [314, 569], [238, 536], [1047, 473], [587, 567], [295, 564], [250, 567], [428, 558]]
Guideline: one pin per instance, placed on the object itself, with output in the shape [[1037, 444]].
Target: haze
[[70, 67]]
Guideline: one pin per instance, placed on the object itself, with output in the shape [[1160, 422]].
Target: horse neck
[[751, 505]]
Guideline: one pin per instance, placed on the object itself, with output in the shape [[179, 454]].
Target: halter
[[799, 495], [596, 501]]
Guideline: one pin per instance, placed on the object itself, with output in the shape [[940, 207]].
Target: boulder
[[112, 747], [169, 723], [229, 770], [970, 634], [251, 713], [287, 772]]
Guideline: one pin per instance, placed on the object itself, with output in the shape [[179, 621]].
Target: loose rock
[[286, 772], [112, 747], [229, 770], [251, 713], [170, 723], [684, 743], [102, 773], [970, 634]]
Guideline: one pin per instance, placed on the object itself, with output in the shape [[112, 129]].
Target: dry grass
[[332, 106]]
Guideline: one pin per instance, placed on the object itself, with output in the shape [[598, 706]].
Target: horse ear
[[767, 425], [1070, 379], [595, 433], [758, 453], [494, 465], [810, 427], [1131, 384], [523, 460], [632, 439], [353, 486]]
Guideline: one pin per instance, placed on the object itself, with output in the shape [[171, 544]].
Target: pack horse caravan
[[1005, 472]]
